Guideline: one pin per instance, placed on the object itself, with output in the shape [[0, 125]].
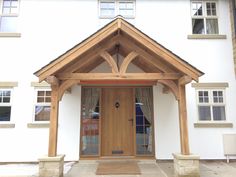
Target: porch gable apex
[[167, 59]]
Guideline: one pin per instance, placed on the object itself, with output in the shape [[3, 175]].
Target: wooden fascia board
[[77, 51], [127, 76], [159, 50]]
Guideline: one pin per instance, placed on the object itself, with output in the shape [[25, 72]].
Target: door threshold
[[117, 157]]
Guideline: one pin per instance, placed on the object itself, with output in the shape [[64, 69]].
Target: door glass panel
[[144, 128], [90, 121]]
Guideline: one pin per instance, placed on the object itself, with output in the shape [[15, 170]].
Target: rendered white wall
[[49, 28], [166, 119], [69, 124]]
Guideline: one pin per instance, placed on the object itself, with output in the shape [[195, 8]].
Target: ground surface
[[160, 169], [149, 168]]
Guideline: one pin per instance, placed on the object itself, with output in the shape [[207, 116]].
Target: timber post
[[52, 148]]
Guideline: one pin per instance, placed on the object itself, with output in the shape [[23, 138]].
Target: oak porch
[[119, 38]]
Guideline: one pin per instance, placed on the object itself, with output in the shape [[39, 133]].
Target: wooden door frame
[[134, 127]]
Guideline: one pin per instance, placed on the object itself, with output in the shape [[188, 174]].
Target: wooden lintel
[[184, 80], [52, 80], [127, 76], [118, 82]]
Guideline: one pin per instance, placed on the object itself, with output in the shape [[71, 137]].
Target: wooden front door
[[117, 122]]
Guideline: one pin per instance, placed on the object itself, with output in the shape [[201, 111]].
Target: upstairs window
[[42, 106], [211, 105], [112, 8], [5, 105], [9, 15], [204, 17]]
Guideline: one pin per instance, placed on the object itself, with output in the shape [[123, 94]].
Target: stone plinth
[[51, 166], [186, 165]]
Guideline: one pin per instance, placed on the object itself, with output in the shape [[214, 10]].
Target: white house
[[133, 78]]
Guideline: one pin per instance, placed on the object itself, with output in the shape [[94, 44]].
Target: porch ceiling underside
[[119, 37]]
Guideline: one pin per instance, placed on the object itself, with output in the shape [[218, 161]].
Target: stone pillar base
[[186, 165], [51, 166]]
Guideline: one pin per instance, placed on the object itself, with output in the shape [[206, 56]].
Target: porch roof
[[119, 36]]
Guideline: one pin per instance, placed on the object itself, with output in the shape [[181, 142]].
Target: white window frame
[[205, 16], [7, 104], [117, 8], [211, 103], [9, 15], [39, 104]]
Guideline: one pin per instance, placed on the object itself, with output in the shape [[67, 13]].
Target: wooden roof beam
[[173, 87], [165, 54], [111, 76], [77, 51], [110, 60], [131, 56], [184, 80], [148, 57], [86, 59], [52, 80]]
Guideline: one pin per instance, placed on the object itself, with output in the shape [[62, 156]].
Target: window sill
[[38, 125], [206, 36], [112, 17], [213, 125], [7, 125], [3, 34]]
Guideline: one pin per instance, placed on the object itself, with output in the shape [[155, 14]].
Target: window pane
[[6, 3], [204, 112], [48, 100], [41, 93], [211, 8], [14, 10], [48, 93], [198, 26], [5, 113], [6, 99], [6, 10], [212, 26], [107, 9], [14, 3], [7, 93], [90, 121], [143, 105], [203, 97], [219, 113], [197, 8], [126, 12], [40, 99], [126, 8], [42, 113], [8, 24]]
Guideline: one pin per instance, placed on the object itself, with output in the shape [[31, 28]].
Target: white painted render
[[49, 28]]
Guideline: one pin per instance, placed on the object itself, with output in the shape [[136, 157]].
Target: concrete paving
[[151, 168]]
